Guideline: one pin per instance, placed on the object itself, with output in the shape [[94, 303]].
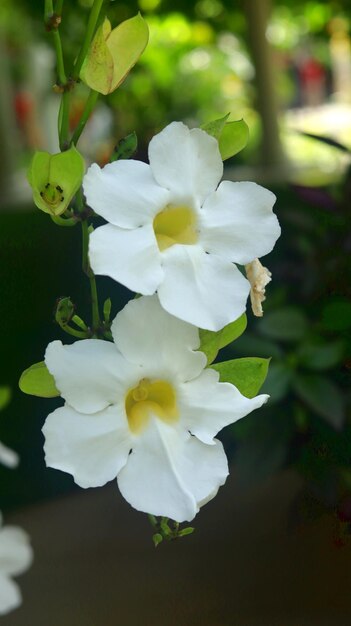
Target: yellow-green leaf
[[37, 381], [233, 138], [113, 53], [55, 179], [211, 342], [5, 396], [247, 374]]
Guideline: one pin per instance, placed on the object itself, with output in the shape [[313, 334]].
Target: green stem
[[75, 333], [88, 109], [64, 221], [58, 7], [93, 18], [89, 272]]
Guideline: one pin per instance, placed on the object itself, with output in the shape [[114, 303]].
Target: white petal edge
[[16, 554], [206, 405], [10, 595], [149, 336], [125, 193], [170, 473], [237, 222], [201, 288], [90, 374], [187, 162], [92, 448], [131, 257]]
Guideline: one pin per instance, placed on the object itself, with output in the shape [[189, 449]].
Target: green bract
[[247, 374], [232, 136], [211, 342], [113, 53], [37, 381], [55, 179]]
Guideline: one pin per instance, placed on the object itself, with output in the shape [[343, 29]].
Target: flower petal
[[130, 257], [90, 374], [93, 448], [124, 193], [206, 405], [237, 222], [187, 162], [171, 474], [10, 595], [201, 288], [16, 554], [147, 335]]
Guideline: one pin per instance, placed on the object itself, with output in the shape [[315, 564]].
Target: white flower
[[16, 556], [171, 231], [259, 277], [145, 410], [8, 457]]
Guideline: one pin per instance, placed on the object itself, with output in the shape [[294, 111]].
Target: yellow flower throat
[[150, 398], [175, 224]]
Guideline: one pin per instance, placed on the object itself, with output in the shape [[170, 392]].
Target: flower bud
[[55, 179], [113, 53]]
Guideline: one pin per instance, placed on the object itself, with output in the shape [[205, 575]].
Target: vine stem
[[88, 109], [96, 323], [93, 18]]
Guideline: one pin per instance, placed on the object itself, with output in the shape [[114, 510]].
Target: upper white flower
[[171, 230], [145, 410], [16, 556]]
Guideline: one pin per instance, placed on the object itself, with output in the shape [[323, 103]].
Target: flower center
[[150, 398], [52, 194], [175, 224]]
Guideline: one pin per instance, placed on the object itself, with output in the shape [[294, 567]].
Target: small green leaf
[[186, 531], [64, 311], [157, 538], [247, 374], [233, 139], [55, 179], [211, 342], [5, 396], [286, 324], [107, 310], [37, 381], [277, 382], [113, 53], [322, 396], [215, 128], [125, 148], [321, 356]]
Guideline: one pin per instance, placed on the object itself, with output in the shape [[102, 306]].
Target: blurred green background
[[286, 68]]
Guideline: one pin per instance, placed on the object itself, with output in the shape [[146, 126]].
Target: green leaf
[[211, 342], [55, 179], [233, 139], [5, 396], [157, 538], [321, 356], [232, 136], [113, 53], [215, 128], [37, 381], [186, 531], [247, 374], [322, 396], [286, 324], [125, 148], [277, 382]]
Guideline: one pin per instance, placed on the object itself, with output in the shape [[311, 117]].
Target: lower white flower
[[172, 231], [145, 410], [16, 556]]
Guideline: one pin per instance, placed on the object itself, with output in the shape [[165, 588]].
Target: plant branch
[[87, 111]]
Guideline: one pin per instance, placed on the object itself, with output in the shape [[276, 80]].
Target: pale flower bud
[[259, 277]]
